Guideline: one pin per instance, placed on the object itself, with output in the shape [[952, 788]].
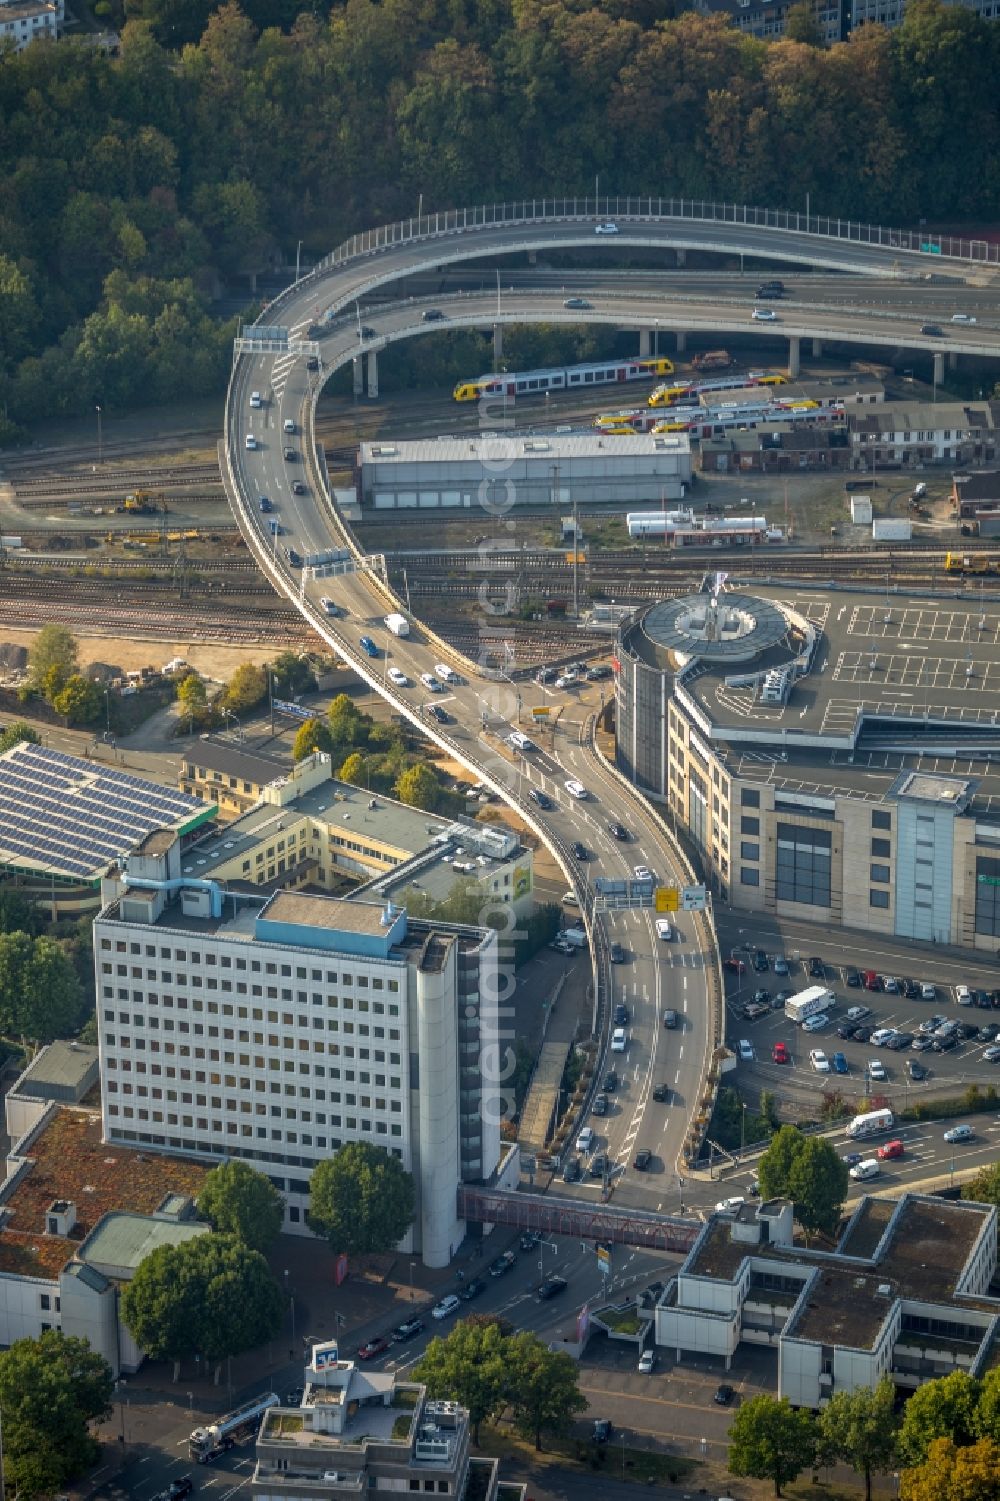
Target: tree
[[807, 1170], [860, 1427], [210, 1295], [953, 1473], [984, 1188], [50, 1389], [419, 786], [470, 1367], [311, 736], [246, 688], [291, 673], [237, 1200], [344, 719], [542, 1387], [40, 995], [945, 1408], [769, 1439], [18, 914], [16, 734], [801, 25], [192, 694], [54, 647], [78, 701], [361, 1200], [986, 1418], [355, 770]]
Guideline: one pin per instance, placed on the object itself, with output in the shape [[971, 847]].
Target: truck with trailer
[[398, 624], [206, 1444], [712, 359], [806, 1003]]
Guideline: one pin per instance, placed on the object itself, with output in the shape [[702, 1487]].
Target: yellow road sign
[[542, 711], [665, 898]]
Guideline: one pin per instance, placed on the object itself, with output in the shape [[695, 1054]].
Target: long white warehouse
[[499, 473]]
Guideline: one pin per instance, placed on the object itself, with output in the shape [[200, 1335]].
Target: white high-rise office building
[[276, 1028]]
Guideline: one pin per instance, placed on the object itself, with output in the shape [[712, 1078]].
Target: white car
[[763, 315], [729, 1206], [446, 1307], [647, 1361], [819, 1061], [858, 1013], [816, 1023], [959, 1133], [288, 425], [962, 318], [575, 788], [619, 1038], [963, 995], [876, 1070], [610, 228], [520, 741], [430, 681], [255, 400], [663, 929], [445, 673], [881, 1036], [251, 441], [928, 992], [585, 1140], [745, 1049], [642, 872], [399, 678], [329, 606]]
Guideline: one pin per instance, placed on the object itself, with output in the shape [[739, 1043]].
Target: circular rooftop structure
[[724, 627]]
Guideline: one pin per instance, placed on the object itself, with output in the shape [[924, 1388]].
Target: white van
[[445, 673], [862, 1171], [255, 400], [251, 441], [585, 1140]]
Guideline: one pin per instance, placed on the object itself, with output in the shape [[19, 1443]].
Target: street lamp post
[[100, 439], [190, 1404], [298, 259], [411, 1280]]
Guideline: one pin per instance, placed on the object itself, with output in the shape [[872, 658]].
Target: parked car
[[963, 995], [572, 1172], [876, 1070], [817, 968], [730, 1206], [603, 1429], [916, 1070], [647, 1360], [852, 977], [723, 1394], [780, 964], [760, 961], [816, 1023], [819, 1061], [779, 1053], [745, 1049], [928, 992], [839, 1064]]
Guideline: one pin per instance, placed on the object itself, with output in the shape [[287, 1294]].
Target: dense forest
[[134, 188]]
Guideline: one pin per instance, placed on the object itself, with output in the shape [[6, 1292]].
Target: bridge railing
[[647, 209]]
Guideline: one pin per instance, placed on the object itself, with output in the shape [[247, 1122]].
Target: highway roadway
[[658, 974]]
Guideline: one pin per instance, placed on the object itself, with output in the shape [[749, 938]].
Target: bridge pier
[[793, 355], [682, 256], [817, 349], [359, 375], [952, 359], [682, 341], [645, 343], [939, 368], [372, 358], [497, 345]]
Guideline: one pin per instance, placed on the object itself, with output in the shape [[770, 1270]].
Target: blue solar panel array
[[74, 816]]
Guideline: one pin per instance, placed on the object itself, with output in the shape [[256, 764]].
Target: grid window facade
[[803, 865], [988, 896]]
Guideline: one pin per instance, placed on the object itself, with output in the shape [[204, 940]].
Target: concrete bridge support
[[682, 256], [359, 375], [793, 355], [952, 359], [817, 349], [372, 358], [939, 368], [682, 341], [645, 343], [497, 344]]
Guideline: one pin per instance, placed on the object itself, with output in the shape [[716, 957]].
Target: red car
[[870, 980], [376, 1346], [736, 965], [779, 1053], [890, 1149]]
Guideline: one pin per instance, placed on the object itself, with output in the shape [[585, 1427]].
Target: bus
[[563, 378], [872, 1124]]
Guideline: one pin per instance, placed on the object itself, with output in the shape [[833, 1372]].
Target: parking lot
[[844, 957]]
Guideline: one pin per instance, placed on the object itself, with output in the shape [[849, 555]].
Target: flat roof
[[64, 1065], [922, 1260], [924, 417], [69, 816], [300, 909], [258, 767], [70, 1161], [366, 816], [550, 448], [123, 1240], [893, 685]]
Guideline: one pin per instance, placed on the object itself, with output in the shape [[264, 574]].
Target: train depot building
[[833, 756], [500, 473]]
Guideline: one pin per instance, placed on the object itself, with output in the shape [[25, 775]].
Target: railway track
[[152, 521], [160, 475], [109, 567], [196, 623]]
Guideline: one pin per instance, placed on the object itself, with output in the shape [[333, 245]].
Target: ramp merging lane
[[681, 974]]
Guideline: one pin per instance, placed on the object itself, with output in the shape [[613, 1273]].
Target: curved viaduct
[[272, 356]]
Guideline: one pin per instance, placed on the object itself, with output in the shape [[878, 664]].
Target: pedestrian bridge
[[552, 1215]]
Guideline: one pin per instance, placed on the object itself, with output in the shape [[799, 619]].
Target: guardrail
[[648, 209]]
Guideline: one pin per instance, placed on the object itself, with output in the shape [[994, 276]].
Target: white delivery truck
[[398, 624], [871, 1124], [808, 1003]]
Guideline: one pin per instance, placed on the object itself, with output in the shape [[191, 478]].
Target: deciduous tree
[[311, 736], [419, 786], [469, 1366], [771, 1440], [542, 1388], [945, 1408], [860, 1427], [954, 1473], [246, 688], [51, 1388], [54, 647], [237, 1200], [78, 701], [361, 1199], [807, 1170]]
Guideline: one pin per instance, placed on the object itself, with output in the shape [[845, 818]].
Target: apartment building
[[766, 18], [904, 435], [277, 1027], [27, 21]]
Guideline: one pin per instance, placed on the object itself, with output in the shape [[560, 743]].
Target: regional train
[[563, 378], [668, 396]]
